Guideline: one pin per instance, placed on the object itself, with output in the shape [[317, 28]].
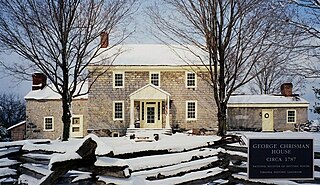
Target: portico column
[[131, 113], [168, 113]]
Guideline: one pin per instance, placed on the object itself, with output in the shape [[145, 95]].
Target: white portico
[[152, 107]]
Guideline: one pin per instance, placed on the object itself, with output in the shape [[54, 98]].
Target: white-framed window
[[191, 79], [155, 78], [291, 116], [118, 110], [191, 110], [118, 79], [48, 123]]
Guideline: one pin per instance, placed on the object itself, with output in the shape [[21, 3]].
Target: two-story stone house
[[151, 87], [148, 86]]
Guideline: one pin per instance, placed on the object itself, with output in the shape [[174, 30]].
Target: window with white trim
[[191, 110], [191, 79], [291, 116], [118, 110], [155, 78], [48, 123], [118, 80]]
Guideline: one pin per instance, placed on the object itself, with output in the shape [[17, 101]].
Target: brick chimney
[[104, 39], [286, 89], [39, 81]]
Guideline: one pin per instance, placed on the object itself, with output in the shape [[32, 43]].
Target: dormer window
[[118, 80], [155, 78], [191, 81]]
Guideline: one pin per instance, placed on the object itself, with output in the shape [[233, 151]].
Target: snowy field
[[176, 159]]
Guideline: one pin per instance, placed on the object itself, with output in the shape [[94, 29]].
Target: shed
[[18, 131]]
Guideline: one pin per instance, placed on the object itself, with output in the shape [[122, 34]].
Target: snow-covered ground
[[186, 158]]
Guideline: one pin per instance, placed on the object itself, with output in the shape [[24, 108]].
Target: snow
[[26, 179], [265, 99], [7, 171], [50, 93], [82, 177], [63, 157], [107, 161], [6, 151], [169, 159], [7, 162], [151, 54], [41, 169]]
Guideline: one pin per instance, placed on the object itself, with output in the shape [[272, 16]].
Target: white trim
[[271, 105], [159, 79], [114, 79], [150, 67], [44, 123], [186, 79], [113, 110], [295, 116], [196, 111]]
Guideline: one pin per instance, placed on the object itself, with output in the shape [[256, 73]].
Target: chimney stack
[[286, 89], [39, 81], [104, 39]]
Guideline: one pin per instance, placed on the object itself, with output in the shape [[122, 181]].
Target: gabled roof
[[47, 93], [266, 100], [148, 92], [153, 55]]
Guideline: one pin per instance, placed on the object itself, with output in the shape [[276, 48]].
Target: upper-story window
[[48, 123], [191, 80], [291, 116], [155, 78], [118, 80]]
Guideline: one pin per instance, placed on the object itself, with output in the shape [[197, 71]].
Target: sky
[[142, 35]]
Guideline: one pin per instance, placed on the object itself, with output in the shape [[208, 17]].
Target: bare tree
[[269, 80], [233, 34], [59, 39], [12, 109]]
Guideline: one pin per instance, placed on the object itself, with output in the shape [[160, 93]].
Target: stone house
[[267, 112], [44, 111], [148, 87]]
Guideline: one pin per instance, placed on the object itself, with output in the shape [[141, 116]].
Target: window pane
[[191, 79], [155, 79], [48, 124], [191, 110], [118, 80], [118, 110], [291, 117]]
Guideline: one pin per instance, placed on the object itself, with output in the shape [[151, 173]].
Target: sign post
[[280, 158]]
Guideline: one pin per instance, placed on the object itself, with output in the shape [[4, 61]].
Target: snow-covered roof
[[266, 99], [153, 54], [16, 125], [47, 93]]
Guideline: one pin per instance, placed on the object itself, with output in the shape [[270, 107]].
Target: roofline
[[271, 105], [16, 125], [153, 86], [151, 67]]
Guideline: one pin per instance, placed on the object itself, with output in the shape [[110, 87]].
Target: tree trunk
[[222, 119], [66, 118]]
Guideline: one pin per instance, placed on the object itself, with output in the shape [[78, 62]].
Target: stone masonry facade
[[36, 110], [102, 94], [250, 118]]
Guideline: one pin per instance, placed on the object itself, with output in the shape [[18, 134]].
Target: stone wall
[[250, 118], [37, 110], [102, 94]]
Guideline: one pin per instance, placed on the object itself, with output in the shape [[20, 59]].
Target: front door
[[267, 120], [151, 115], [76, 127]]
